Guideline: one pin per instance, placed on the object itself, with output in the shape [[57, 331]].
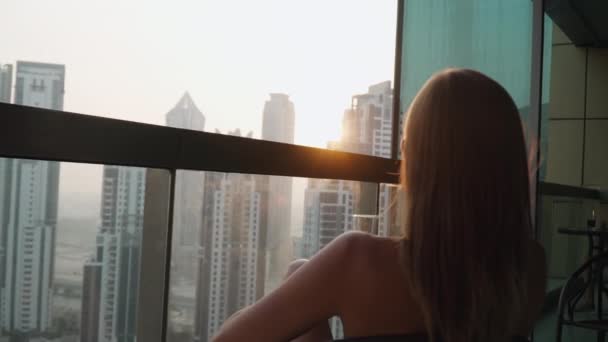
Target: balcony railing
[[42, 134], [32, 133]]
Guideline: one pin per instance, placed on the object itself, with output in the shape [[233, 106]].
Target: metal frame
[[536, 84], [154, 271], [561, 190], [168, 255], [395, 144], [35, 133]]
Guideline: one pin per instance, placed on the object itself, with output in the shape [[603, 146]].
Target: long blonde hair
[[465, 175]]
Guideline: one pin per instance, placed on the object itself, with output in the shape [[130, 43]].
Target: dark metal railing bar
[[168, 256], [35, 133], [395, 143], [554, 189]]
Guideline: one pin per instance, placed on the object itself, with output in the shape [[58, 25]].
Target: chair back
[[578, 284]]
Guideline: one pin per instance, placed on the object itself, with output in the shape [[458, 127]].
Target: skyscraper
[[278, 125], [278, 122], [188, 205], [235, 243], [328, 212], [6, 82], [40, 85], [117, 257], [367, 125], [367, 129], [232, 251], [186, 115], [28, 216]]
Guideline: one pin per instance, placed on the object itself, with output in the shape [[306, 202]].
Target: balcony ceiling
[[585, 22]]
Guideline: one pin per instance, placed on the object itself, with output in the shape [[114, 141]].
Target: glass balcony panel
[[70, 250], [492, 36], [235, 235]]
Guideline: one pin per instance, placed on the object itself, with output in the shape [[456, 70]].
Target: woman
[[465, 270]]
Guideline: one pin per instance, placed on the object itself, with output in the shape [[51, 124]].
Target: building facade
[[232, 252], [278, 124], [367, 124], [6, 83], [28, 215], [117, 258], [40, 85], [188, 207], [367, 129], [328, 212]]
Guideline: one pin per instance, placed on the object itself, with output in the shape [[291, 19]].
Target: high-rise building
[[6, 82], [232, 252], [40, 85], [278, 121], [367, 129], [28, 216], [117, 257], [235, 244], [186, 115], [367, 125], [188, 204], [278, 125], [328, 212]]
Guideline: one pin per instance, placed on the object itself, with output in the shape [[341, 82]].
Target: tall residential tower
[[28, 215], [232, 248], [188, 205], [111, 276], [278, 125], [6, 83]]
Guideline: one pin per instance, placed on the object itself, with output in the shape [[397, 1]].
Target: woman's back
[[377, 299], [465, 269]]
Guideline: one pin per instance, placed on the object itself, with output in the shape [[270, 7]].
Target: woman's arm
[[309, 296]]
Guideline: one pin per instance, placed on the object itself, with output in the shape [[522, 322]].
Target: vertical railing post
[[395, 142], [536, 91], [168, 254], [534, 122], [153, 295]]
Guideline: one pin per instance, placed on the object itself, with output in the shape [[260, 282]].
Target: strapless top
[[407, 338]]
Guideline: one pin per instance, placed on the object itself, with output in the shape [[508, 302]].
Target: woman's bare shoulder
[[362, 243], [361, 252]]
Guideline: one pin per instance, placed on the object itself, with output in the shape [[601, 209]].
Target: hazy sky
[[134, 59]]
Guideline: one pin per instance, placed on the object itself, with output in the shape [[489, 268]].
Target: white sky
[[134, 59]]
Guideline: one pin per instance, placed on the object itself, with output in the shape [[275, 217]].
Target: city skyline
[[259, 242], [320, 66]]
